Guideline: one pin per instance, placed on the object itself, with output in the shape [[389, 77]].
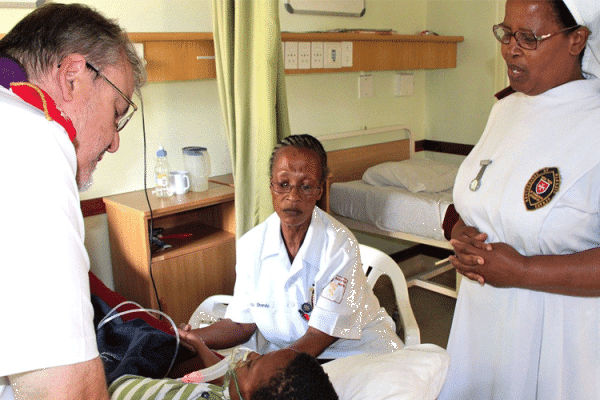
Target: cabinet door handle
[[176, 236]]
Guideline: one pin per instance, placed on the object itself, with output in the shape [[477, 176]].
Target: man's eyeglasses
[[525, 40], [122, 121], [285, 187]]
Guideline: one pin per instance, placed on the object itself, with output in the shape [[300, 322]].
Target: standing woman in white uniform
[[299, 279], [528, 325]]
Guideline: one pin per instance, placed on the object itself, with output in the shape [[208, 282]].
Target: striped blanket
[[132, 387]]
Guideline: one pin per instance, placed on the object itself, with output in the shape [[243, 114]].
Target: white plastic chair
[[210, 310], [375, 263]]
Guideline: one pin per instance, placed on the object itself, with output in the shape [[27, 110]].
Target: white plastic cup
[[197, 162], [179, 182]]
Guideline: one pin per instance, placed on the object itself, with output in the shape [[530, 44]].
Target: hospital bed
[[415, 372], [399, 202]]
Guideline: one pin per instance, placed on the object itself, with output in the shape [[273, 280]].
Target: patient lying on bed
[[132, 360], [282, 374]]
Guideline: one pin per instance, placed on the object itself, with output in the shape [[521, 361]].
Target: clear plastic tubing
[[219, 369]]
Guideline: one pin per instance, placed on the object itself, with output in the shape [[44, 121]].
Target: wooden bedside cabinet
[[200, 227]]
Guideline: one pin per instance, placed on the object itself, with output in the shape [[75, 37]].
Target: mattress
[[392, 209]]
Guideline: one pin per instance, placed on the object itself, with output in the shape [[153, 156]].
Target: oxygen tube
[[219, 369]]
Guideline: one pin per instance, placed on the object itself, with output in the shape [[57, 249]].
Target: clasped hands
[[192, 341], [497, 264]]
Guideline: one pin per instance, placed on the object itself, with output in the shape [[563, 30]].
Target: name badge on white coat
[[268, 306], [261, 305]]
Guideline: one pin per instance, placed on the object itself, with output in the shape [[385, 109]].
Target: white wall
[[459, 100], [448, 105], [321, 104]]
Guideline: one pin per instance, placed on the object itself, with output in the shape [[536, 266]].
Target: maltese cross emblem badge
[[541, 188]]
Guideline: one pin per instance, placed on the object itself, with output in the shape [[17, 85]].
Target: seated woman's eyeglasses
[[285, 187], [525, 40]]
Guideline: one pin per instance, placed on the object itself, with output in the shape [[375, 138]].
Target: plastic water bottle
[[162, 170]]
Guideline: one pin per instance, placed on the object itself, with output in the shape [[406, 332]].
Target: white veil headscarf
[[587, 13]]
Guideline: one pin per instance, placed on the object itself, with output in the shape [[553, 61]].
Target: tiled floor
[[433, 311]]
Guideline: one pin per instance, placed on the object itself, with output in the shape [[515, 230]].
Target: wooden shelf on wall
[[174, 56], [181, 56], [386, 52]]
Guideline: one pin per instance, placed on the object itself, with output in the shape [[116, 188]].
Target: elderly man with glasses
[[67, 75]]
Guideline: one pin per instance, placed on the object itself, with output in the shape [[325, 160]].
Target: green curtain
[[251, 81]]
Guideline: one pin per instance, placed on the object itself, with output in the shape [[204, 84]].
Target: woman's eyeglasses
[[285, 187], [525, 40]]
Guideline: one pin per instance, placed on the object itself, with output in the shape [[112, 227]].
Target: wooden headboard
[[350, 164]]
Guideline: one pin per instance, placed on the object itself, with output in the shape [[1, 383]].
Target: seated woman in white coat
[[300, 283]]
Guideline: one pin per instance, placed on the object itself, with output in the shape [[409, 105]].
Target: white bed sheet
[[391, 208]]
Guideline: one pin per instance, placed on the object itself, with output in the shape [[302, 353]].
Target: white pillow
[[415, 174], [414, 373]]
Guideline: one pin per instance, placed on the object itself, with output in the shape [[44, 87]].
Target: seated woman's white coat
[[326, 273]]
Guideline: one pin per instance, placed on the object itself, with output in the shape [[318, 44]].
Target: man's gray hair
[[47, 35]]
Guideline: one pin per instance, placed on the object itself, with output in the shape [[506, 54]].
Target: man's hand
[[81, 381]]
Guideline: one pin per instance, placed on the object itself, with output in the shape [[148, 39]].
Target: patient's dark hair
[[304, 141], [303, 378]]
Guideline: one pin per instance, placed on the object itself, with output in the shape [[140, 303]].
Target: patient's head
[[284, 374]]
